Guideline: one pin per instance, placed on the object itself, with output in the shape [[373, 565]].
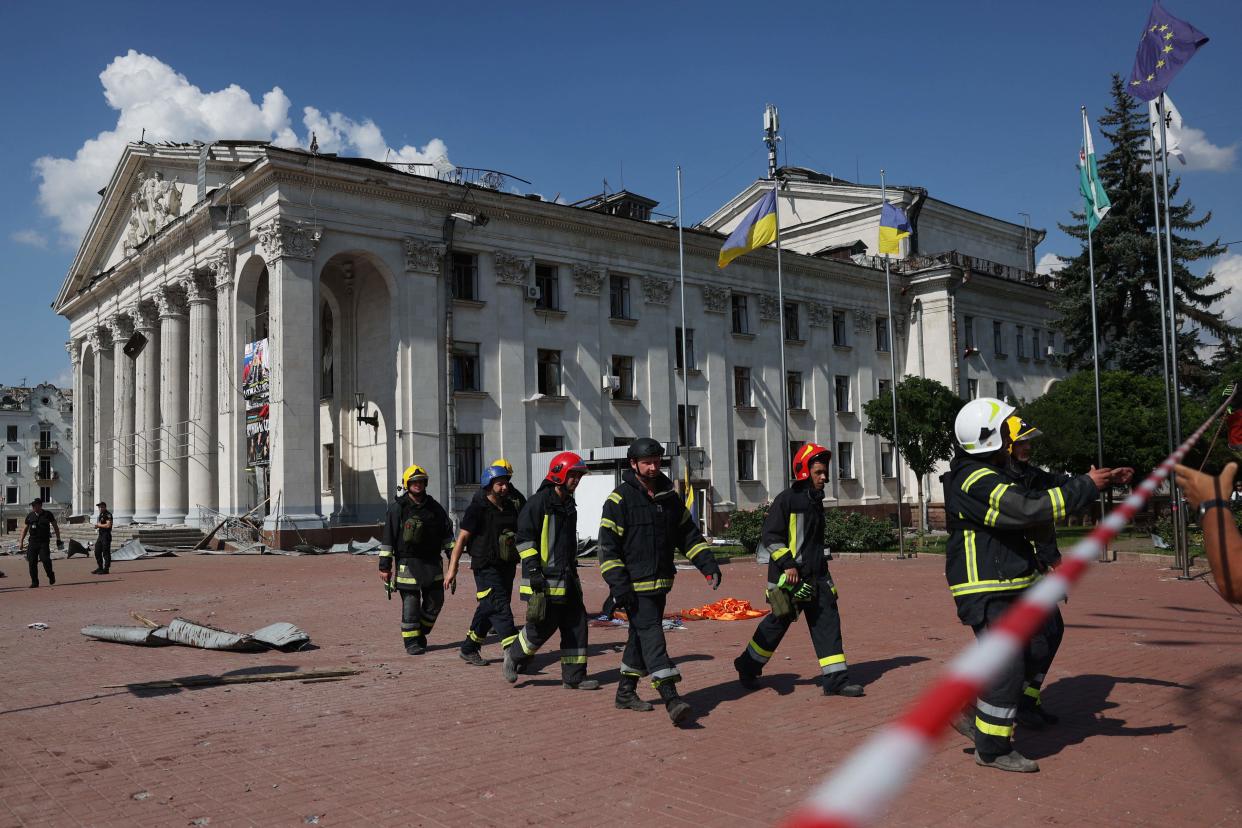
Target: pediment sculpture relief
[[153, 204]]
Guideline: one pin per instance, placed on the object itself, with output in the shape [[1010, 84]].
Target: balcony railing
[[48, 478], [47, 448]]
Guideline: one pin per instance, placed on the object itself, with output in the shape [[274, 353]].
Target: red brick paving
[[1148, 684]]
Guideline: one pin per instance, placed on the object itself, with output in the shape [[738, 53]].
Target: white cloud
[[1202, 154], [150, 95], [1228, 272], [1049, 263], [30, 237]]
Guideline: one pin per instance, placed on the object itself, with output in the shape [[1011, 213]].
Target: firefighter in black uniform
[[514, 493], [547, 543], [793, 534], [489, 531], [103, 541], [990, 560], [644, 523], [416, 532], [39, 524]]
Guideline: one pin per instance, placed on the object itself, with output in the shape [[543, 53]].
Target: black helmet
[[645, 447]]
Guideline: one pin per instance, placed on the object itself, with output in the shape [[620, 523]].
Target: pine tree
[[1127, 297]]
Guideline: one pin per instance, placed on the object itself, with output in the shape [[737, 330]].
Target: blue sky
[[976, 102]]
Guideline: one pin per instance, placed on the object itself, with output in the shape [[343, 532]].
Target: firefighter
[[488, 530], [989, 559], [481, 494], [416, 532], [547, 543], [644, 523], [793, 534]]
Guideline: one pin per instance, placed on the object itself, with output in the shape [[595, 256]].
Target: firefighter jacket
[[480, 496], [547, 542], [989, 514], [1043, 538], [493, 533], [793, 533], [639, 534], [415, 530]]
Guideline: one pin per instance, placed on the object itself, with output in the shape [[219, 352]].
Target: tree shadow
[[1213, 705], [1081, 701]]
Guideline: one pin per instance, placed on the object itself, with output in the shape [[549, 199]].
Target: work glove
[[714, 579], [628, 601], [538, 582], [802, 591]]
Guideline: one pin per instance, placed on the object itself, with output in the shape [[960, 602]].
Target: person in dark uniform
[[488, 530], [39, 525], [103, 541], [416, 532]]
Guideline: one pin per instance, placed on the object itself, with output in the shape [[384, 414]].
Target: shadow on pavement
[[551, 664], [1213, 706], [868, 672], [142, 691], [66, 701], [1081, 702]]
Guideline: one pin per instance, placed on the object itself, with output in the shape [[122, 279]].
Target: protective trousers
[[571, 619], [1040, 654], [645, 649], [995, 710], [823, 618], [36, 551], [103, 553], [493, 587]]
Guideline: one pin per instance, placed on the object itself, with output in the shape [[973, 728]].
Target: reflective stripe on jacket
[[793, 533], [547, 541]]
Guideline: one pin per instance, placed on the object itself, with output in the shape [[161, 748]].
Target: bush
[[847, 531], [1194, 532], [746, 526]]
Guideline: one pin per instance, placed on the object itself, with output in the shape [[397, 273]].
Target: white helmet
[[978, 425]]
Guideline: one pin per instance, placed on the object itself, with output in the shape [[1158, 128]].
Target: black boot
[[677, 708], [627, 695], [745, 676]]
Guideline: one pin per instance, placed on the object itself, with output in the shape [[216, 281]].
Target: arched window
[[325, 351], [260, 307]]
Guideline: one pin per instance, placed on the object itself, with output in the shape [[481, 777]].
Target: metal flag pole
[[1179, 518], [685, 352], [1095, 335], [1164, 338], [892, 362], [771, 137]]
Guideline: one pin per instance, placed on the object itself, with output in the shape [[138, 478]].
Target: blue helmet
[[491, 473]]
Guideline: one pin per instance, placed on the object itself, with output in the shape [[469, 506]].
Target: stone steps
[[85, 534]]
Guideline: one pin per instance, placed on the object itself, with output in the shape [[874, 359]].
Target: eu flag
[[1166, 46]]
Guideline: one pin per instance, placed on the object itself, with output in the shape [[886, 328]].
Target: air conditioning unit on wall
[[610, 383], [533, 293]]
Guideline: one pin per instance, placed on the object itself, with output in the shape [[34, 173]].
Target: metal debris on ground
[[141, 636], [136, 550], [38, 625], [281, 635]]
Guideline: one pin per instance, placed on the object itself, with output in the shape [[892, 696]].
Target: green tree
[[1127, 299], [925, 413]]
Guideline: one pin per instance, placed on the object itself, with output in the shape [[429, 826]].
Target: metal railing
[[470, 176], [46, 448]]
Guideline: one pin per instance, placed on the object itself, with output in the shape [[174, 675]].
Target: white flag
[[1173, 126]]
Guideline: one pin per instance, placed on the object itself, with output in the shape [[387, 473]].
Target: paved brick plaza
[[1149, 685]]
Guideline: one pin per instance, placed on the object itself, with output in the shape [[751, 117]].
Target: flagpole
[[1095, 336], [892, 362], [685, 353], [771, 137], [1179, 520], [1164, 339]]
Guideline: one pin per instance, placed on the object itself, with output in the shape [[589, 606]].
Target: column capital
[[221, 267], [144, 314], [423, 256], [122, 328], [99, 339], [75, 353], [170, 302], [281, 238], [199, 287]]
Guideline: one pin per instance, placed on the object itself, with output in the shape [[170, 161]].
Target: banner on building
[[258, 446], [255, 369]]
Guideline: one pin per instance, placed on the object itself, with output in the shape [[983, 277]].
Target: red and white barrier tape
[[859, 791]]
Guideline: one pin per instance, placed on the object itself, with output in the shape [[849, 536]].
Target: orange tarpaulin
[[726, 609]]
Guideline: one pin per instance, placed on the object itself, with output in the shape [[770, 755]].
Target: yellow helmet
[[1020, 429], [414, 472], [504, 464]]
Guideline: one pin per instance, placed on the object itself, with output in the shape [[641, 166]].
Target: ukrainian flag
[[894, 226], [757, 230], [690, 496]]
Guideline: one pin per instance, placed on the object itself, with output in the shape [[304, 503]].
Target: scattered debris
[[141, 795], [38, 625], [163, 609], [194, 634], [142, 636], [136, 550], [201, 821], [313, 819], [245, 678], [281, 636]]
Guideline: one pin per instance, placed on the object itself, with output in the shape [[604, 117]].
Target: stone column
[[122, 503], [229, 422], [79, 432], [173, 408], [146, 416], [293, 307], [201, 462], [101, 345]]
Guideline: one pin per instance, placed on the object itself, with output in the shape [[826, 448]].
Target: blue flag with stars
[[1167, 45]]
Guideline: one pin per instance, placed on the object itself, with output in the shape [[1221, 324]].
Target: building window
[[465, 284], [45, 494], [45, 468], [745, 459], [845, 461], [972, 389], [1002, 391], [623, 370], [551, 442], [692, 425], [793, 389], [549, 372], [886, 461], [741, 387], [1020, 343], [10, 495], [1038, 352], [794, 445], [968, 330], [841, 393], [468, 452], [882, 387], [329, 467], [881, 334], [547, 279], [840, 336], [12, 434], [466, 366], [741, 315], [325, 351], [686, 359], [622, 441], [619, 297], [45, 438], [793, 330], [998, 339], [10, 464]]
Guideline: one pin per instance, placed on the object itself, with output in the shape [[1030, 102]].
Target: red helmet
[[808, 454], [561, 466]]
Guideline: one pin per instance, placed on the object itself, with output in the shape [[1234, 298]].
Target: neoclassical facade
[[295, 333]]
